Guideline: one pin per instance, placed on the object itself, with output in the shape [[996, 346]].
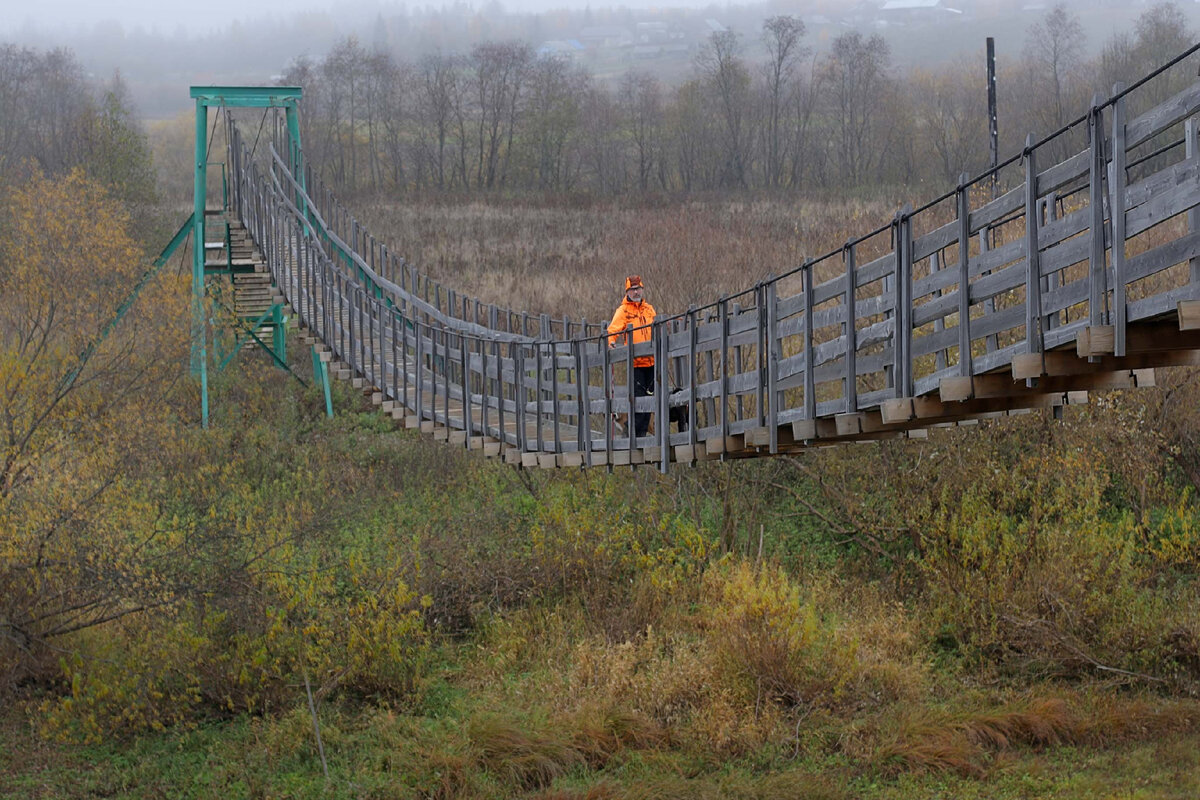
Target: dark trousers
[[643, 386]]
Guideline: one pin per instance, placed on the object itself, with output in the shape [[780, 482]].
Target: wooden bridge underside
[[969, 308]]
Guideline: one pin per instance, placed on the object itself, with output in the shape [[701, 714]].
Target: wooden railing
[[890, 333]]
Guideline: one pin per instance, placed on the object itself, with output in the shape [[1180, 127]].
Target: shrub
[[1028, 570], [804, 645]]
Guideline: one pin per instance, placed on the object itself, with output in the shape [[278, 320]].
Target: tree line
[[501, 117], [55, 118]]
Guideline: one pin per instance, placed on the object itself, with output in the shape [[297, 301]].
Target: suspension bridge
[[1071, 268]]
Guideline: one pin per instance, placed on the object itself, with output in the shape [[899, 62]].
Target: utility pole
[[993, 124]]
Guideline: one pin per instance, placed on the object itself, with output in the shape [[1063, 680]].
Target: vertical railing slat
[[810, 383], [1033, 273], [1116, 210], [964, 277], [851, 331]]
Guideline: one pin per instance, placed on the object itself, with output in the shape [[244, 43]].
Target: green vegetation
[[290, 606], [1010, 611]]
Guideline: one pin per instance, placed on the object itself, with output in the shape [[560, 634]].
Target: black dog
[[678, 405]]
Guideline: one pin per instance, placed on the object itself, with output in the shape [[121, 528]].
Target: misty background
[[160, 50]]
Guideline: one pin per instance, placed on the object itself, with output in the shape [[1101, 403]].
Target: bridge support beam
[[206, 97]]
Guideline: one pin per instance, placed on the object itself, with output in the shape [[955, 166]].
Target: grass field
[[1009, 611]]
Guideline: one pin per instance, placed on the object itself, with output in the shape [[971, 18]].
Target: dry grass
[[969, 744], [519, 757], [572, 260], [535, 759]]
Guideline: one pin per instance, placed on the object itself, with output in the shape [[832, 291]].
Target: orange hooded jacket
[[637, 315]]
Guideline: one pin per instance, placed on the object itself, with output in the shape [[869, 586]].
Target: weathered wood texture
[[968, 307]]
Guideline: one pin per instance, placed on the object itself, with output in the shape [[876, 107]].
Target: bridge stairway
[[233, 260]]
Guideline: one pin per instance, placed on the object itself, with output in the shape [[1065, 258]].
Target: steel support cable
[[247, 329], [317, 185], [378, 281], [261, 123], [181, 236], [1019, 156], [469, 328]]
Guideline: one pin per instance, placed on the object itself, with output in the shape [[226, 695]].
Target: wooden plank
[[850, 385], [1155, 260], [929, 409], [805, 429], [1064, 362], [997, 209], [1189, 315], [1000, 281], [1173, 111], [1143, 338], [1116, 204], [1033, 274], [1002, 385]]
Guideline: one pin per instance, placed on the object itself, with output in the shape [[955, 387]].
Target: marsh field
[[1003, 610]]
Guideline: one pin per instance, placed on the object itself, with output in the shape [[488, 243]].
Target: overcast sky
[[168, 15]]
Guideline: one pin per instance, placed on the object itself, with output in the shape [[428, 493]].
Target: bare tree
[[1053, 53], [781, 37], [438, 77], [952, 117], [806, 160], [498, 72], [552, 117], [855, 83], [640, 98], [728, 82], [345, 72]]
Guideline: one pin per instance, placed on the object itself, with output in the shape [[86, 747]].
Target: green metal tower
[[206, 97]]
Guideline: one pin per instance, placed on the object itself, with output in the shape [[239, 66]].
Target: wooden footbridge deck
[[1079, 274]]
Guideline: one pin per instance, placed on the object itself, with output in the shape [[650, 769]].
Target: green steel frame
[[206, 97]]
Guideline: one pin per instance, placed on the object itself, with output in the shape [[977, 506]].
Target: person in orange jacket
[[637, 312]]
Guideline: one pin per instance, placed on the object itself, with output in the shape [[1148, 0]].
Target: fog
[[152, 16], [160, 49]]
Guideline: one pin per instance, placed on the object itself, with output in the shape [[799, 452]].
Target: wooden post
[[939, 324], [404, 362], [350, 303], [466, 388], [485, 385], [737, 363], [772, 360], [723, 319], [1097, 273], [1033, 271], [554, 390], [608, 401], [692, 370], [1116, 211], [851, 379], [761, 349], [538, 394], [810, 386], [583, 436], [630, 425], [419, 364], [662, 425], [902, 336], [1191, 130], [964, 277], [519, 393], [446, 381], [500, 389]]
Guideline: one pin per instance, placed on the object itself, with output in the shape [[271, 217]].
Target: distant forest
[[504, 117], [769, 108]]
